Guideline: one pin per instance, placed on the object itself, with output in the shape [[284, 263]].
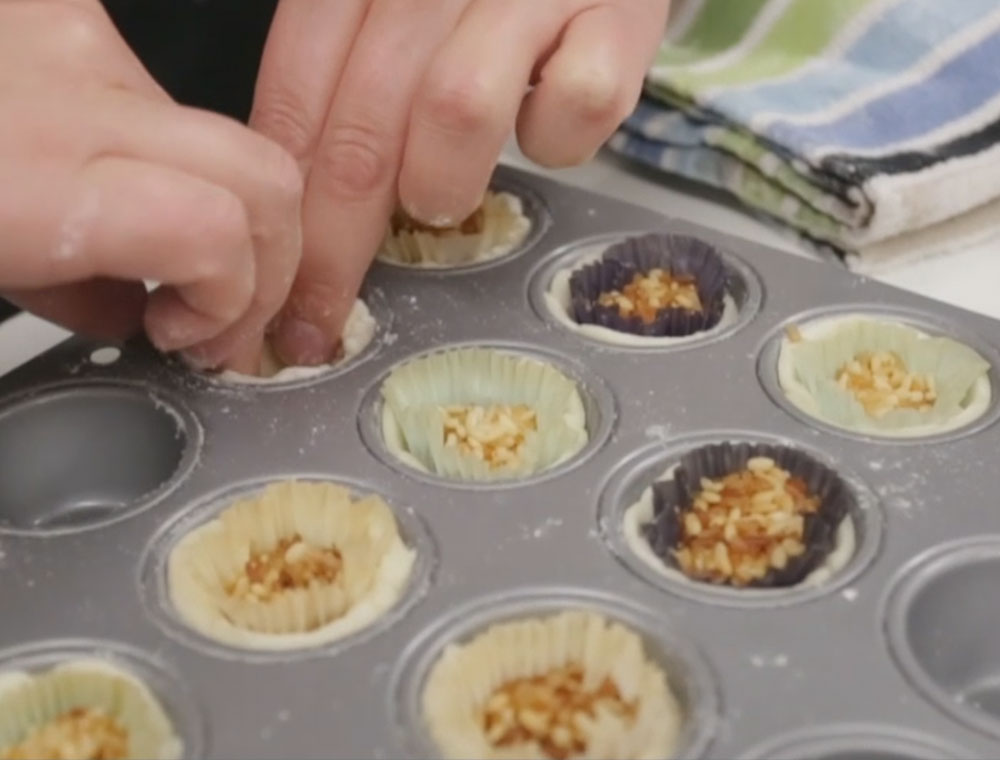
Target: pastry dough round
[[505, 227], [376, 567], [641, 513], [974, 405], [358, 333], [557, 302], [415, 393], [28, 700], [465, 675]]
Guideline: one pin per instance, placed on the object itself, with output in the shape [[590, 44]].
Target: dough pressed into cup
[[497, 228], [358, 333], [864, 374], [481, 414], [298, 564], [85, 708], [745, 515], [571, 684]]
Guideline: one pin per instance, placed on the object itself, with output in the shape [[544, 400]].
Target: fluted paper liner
[[956, 368], [462, 680], [505, 226], [415, 394], [376, 565], [29, 700], [674, 497], [677, 254]]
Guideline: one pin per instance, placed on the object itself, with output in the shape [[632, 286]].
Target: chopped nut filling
[[291, 564], [471, 225], [551, 709], [81, 734], [493, 433], [651, 292], [745, 524], [880, 382]]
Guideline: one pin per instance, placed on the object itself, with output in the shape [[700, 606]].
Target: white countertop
[[968, 278]]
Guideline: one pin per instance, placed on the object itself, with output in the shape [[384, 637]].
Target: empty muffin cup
[[88, 454], [942, 629]]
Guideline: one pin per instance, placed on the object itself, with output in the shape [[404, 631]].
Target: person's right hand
[[105, 182]]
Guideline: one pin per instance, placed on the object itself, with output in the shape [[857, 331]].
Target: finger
[[351, 188], [307, 47], [590, 83], [197, 243], [260, 173], [100, 308], [467, 104]]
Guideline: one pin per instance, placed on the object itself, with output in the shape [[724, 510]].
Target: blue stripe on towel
[[959, 87], [881, 51]]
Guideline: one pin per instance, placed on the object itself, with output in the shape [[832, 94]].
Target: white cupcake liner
[[465, 676], [30, 700], [358, 333], [813, 364], [375, 567], [505, 226], [413, 418]]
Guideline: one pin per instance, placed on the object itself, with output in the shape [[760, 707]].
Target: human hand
[[105, 182], [414, 99]]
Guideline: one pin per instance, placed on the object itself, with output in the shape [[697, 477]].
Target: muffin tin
[[106, 461]]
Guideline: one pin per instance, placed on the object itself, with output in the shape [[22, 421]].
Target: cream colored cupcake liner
[[30, 700], [466, 675], [359, 331], [814, 364], [376, 566], [504, 227], [416, 393]]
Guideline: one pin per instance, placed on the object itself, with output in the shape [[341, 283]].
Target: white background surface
[[968, 278]]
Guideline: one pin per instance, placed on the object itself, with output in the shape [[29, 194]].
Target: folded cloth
[[872, 126]]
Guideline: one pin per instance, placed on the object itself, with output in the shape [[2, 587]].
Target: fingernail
[[302, 343], [198, 359]]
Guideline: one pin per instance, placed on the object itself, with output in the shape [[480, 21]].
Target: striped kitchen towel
[[871, 126]]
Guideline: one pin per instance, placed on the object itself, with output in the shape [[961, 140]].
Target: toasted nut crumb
[[292, 563], [651, 292], [494, 433], [743, 525], [794, 333], [552, 710], [881, 383], [82, 733]]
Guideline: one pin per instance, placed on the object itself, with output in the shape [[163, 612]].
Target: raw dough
[[358, 333]]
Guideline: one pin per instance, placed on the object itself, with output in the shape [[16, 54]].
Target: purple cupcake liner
[[677, 254], [672, 499]]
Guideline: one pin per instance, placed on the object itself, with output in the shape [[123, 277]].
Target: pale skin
[[267, 230]]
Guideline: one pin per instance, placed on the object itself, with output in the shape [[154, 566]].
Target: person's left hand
[[414, 99]]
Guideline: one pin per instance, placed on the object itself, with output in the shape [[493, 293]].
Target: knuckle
[[285, 178], [281, 114], [224, 232], [352, 162], [81, 30], [597, 96], [459, 107]]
